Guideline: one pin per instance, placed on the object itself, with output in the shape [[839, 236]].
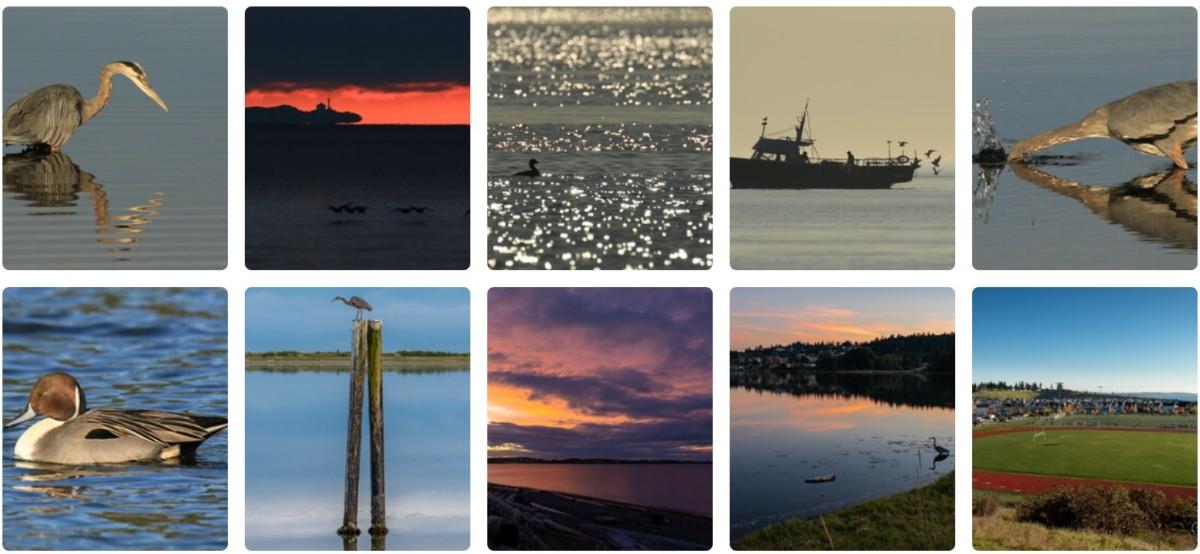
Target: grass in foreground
[[998, 529], [1164, 458], [920, 519]]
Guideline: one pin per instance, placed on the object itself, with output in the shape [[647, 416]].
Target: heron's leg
[[1175, 152]]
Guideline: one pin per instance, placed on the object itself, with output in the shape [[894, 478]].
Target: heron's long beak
[[153, 95], [28, 415]]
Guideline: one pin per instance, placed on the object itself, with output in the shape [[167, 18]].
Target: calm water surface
[[910, 226], [616, 104], [129, 348], [682, 487], [872, 432], [294, 173], [136, 187], [1110, 209], [295, 460]]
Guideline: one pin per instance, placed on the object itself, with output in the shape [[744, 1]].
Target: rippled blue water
[[1045, 67], [295, 460], [136, 187], [908, 227], [163, 349], [616, 105]]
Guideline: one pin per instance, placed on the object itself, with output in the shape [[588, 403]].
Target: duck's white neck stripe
[[78, 395]]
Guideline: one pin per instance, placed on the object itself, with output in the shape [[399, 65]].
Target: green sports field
[[1143, 457]]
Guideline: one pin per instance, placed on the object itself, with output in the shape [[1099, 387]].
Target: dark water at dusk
[[295, 460], [158, 349], [1112, 208], [136, 187], [294, 173], [616, 104], [682, 487], [871, 431], [910, 226]]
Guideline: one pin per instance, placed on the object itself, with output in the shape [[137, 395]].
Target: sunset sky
[[766, 316], [389, 65], [610, 373]]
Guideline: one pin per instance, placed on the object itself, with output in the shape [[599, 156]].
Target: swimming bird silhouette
[[340, 209], [418, 209], [531, 172], [357, 209]]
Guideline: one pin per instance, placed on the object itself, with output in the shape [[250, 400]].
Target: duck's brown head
[[55, 395]]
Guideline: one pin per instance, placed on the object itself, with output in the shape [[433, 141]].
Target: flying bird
[[1160, 121], [48, 117], [357, 303], [340, 209], [418, 209], [937, 161], [902, 143], [929, 152], [531, 172], [937, 170]]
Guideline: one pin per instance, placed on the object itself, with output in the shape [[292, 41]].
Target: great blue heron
[[940, 450], [531, 172], [357, 303], [1160, 121], [49, 116]]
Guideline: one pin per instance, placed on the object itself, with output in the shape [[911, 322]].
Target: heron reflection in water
[[1159, 205], [48, 117], [52, 180]]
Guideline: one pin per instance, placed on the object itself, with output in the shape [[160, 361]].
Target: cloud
[[677, 439], [616, 392], [345, 86]]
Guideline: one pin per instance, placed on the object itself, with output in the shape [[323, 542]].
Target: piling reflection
[[1158, 205], [47, 182]]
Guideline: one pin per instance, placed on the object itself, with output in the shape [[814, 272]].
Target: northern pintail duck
[[73, 434]]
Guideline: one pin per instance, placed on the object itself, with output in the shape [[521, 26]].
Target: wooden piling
[[359, 356], [375, 382]]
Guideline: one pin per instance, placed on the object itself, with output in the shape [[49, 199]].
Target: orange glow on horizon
[[418, 104]]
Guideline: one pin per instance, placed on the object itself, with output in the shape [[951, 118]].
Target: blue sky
[[304, 318], [1121, 339]]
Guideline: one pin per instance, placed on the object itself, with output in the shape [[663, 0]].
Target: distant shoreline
[[593, 461], [330, 361]]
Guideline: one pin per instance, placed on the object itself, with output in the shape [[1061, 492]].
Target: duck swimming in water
[[73, 434], [531, 172]]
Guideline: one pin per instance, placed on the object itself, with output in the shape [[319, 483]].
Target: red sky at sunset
[[600, 373], [400, 104]]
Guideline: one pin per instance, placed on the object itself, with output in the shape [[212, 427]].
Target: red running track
[[1032, 484]]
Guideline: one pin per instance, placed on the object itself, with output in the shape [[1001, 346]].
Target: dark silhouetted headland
[[324, 114]]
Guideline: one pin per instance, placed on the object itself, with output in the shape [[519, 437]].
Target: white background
[[236, 279]]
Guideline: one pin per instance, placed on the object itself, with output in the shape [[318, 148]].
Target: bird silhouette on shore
[[940, 450], [1160, 121], [531, 172], [357, 303]]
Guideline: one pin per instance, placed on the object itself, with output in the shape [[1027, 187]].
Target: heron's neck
[[1092, 125], [97, 103]]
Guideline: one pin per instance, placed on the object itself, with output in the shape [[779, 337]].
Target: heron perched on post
[[357, 303], [49, 116], [1160, 121]]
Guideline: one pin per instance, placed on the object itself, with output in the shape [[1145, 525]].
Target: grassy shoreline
[[340, 361], [920, 519], [999, 529]]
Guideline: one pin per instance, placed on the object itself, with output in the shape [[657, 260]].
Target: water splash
[[984, 127]]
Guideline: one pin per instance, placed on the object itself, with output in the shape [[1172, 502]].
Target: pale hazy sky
[[872, 75]]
